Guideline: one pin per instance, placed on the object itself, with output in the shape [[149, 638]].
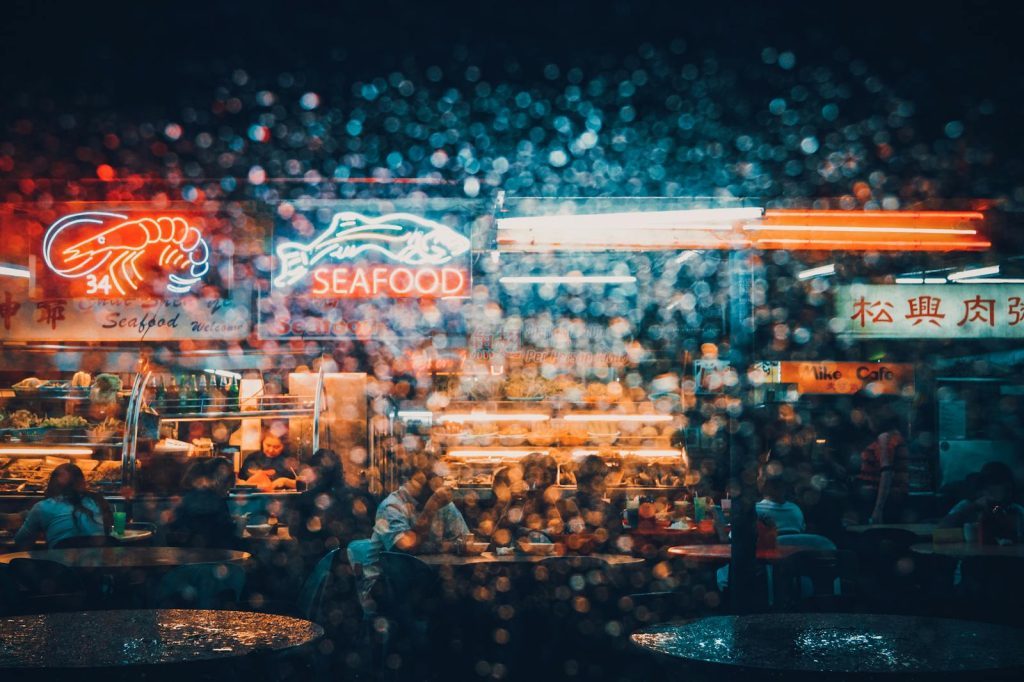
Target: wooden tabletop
[[722, 553], [517, 558], [963, 550], [131, 557], [116, 638], [839, 645], [923, 530]]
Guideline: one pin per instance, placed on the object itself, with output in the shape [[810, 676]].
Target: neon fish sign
[[401, 238], [107, 249]]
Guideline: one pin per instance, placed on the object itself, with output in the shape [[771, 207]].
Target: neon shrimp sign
[[413, 250], [106, 250]]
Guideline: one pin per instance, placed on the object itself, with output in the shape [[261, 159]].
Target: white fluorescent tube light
[[13, 271], [570, 279], [920, 280], [630, 453], [497, 417], [823, 271], [991, 280], [685, 256], [633, 219], [605, 417], [497, 453], [64, 452], [975, 272], [858, 228], [415, 414]]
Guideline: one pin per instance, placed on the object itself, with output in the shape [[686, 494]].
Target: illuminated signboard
[[827, 377], [111, 254], [393, 256], [931, 311]]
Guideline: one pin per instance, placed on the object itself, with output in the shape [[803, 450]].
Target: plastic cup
[[120, 519]]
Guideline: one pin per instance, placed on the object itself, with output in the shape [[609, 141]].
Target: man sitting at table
[[993, 505]]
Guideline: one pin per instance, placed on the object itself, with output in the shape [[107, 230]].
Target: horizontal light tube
[[42, 452], [496, 417], [569, 279], [857, 229], [829, 269], [223, 373], [498, 453], [892, 245], [974, 272], [686, 255], [12, 271], [825, 213], [630, 453], [991, 280], [415, 414], [617, 417], [632, 219], [920, 280]]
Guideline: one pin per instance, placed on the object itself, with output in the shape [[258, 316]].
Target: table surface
[[723, 552], [517, 558], [131, 557], [963, 550], [840, 643], [922, 529], [106, 639]]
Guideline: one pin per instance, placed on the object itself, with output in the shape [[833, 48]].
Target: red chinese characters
[[925, 308], [979, 309], [1015, 310], [878, 312]]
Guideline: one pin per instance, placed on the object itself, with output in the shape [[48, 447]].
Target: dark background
[[947, 54]]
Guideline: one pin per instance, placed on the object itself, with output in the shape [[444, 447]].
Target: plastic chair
[[311, 596], [201, 586], [822, 580]]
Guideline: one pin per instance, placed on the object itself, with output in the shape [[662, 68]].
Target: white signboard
[[67, 319], [931, 311]]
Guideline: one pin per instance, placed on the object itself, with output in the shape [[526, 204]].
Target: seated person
[[785, 515], [419, 517], [993, 505], [506, 511], [269, 469], [202, 517], [597, 513], [68, 510], [542, 512], [330, 512]]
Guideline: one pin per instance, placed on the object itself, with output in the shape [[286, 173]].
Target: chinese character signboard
[[369, 269], [940, 311], [82, 319]]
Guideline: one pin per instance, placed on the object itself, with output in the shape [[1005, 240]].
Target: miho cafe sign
[[940, 311], [392, 256]]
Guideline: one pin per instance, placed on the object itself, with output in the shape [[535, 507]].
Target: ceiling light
[[823, 271], [975, 272]]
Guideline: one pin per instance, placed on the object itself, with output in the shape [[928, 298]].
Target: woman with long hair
[[68, 509]]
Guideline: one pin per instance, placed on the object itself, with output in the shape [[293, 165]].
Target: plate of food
[[527, 547]]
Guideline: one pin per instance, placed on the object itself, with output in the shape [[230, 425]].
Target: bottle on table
[[202, 395]]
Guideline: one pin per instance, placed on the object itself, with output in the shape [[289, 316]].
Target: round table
[[963, 550], [839, 645], [722, 553], [922, 530], [518, 558], [113, 639], [106, 558]]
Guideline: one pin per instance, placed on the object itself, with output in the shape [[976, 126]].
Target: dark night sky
[[945, 56]]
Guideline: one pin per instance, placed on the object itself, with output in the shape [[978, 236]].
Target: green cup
[[120, 518]]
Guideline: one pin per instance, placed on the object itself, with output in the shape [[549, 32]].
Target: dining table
[[968, 550], [518, 558], [921, 530], [130, 557], [835, 646], [142, 643], [722, 553]]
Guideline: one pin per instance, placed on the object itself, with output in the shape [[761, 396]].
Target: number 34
[[94, 286]]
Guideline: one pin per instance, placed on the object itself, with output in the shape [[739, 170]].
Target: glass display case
[[179, 416], [75, 418]]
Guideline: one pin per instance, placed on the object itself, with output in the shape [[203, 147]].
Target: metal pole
[[742, 448]]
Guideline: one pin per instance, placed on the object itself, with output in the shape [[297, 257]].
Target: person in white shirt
[[785, 516], [68, 510]]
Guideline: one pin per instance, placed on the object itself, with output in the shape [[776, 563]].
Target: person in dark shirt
[[202, 518], [597, 513], [329, 513], [271, 468]]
